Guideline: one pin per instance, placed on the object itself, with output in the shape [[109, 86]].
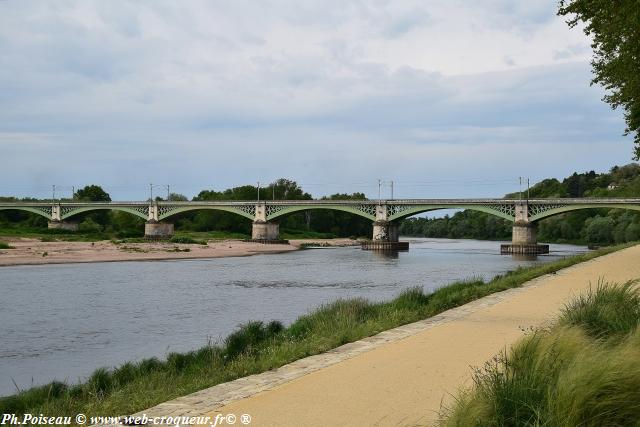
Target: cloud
[[222, 93]]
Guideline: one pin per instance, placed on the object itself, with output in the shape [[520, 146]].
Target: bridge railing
[[559, 201]]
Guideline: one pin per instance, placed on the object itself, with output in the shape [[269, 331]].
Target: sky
[[446, 98]]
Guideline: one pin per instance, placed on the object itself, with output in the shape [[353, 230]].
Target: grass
[[290, 234], [582, 371], [211, 235], [187, 240], [46, 235], [257, 347], [5, 245]]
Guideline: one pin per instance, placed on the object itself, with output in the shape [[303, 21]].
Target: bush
[[187, 240], [89, 226]]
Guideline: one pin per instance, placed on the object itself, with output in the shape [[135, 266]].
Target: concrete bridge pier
[[57, 223], [385, 237], [264, 231], [62, 225], [524, 234], [524, 240], [157, 230]]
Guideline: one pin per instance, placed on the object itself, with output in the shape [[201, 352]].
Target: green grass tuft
[[187, 240], [5, 245], [608, 311], [570, 374]]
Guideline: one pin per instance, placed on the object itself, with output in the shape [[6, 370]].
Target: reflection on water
[[384, 255], [64, 321], [524, 257]]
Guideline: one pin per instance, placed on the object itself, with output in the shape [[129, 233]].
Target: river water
[[64, 321]]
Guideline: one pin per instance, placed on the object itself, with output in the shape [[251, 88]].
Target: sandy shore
[[404, 382], [33, 251]]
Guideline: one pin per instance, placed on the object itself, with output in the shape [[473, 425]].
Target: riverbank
[[258, 347], [30, 251], [407, 381]]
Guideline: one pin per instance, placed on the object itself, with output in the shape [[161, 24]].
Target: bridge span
[[384, 214]]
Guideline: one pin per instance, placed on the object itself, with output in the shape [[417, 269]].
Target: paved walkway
[[402, 376]]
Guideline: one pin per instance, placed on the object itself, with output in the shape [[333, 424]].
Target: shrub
[[187, 240], [89, 226]]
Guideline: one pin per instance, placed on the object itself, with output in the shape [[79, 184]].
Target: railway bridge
[[385, 215]]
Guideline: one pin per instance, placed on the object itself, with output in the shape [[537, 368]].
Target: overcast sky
[[447, 98]]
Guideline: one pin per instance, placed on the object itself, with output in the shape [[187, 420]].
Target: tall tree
[[92, 193], [614, 26]]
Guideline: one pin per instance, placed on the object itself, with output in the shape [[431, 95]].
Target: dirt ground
[[33, 251]]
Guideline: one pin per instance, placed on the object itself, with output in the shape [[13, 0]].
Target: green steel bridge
[[385, 214]]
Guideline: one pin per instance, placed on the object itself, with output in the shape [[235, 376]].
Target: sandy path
[[404, 382], [33, 251]]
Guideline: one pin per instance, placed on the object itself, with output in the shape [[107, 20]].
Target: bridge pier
[[62, 225], [385, 237], [157, 230], [265, 232], [524, 240]]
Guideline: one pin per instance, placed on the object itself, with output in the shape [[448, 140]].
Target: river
[[64, 321]]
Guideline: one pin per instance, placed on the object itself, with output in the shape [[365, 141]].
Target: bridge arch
[[79, 210], [181, 209], [41, 212], [570, 208], [283, 210], [414, 210]]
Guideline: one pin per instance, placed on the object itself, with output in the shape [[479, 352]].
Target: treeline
[[591, 226], [122, 224]]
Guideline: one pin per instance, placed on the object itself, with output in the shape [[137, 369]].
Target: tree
[[92, 193], [615, 29], [177, 197]]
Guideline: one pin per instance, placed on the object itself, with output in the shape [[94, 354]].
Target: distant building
[[612, 186]]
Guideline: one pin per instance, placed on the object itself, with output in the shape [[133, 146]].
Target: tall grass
[[256, 347], [606, 312], [583, 371]]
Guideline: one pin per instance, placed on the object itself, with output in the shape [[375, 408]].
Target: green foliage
[[92, 193], [304, 234], [571, 374], [102, 218], [250, 337], [614, 28], [187, 240], [465, 224], [256, 347], [5, 245], [591, 226], [339, 223], [89, 226]]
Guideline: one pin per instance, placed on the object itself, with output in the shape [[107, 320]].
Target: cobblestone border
[[212, 398]]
